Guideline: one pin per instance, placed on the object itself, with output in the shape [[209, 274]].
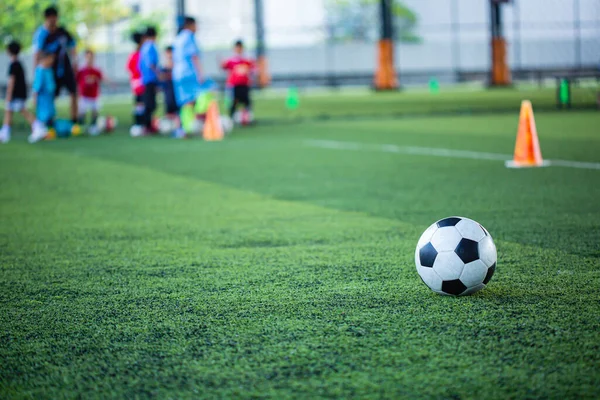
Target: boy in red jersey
[[88, 82], [239, 80], [137, 87]]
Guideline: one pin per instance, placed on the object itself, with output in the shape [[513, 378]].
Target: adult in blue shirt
[[149, 69], [55, 39]]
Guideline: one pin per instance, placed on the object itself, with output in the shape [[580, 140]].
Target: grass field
[[279, 262]]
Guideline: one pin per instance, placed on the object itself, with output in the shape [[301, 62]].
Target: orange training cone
[[212, 126], [527, 148]]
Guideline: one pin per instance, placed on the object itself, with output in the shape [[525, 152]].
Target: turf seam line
[[437, 152]]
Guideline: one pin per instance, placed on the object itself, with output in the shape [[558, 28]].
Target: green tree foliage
[[139, 22], [20, 18], [360, 20]]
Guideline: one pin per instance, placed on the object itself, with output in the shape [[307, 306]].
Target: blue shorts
[[188, 90], [185, 91], [45, 110]]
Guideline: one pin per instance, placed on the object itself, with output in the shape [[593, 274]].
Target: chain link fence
[[329, 42]]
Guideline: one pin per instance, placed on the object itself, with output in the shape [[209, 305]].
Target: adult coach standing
[[55, 39], [187, 69]]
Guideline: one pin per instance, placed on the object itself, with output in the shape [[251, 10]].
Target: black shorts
[[67, 80], [241, 95], [171, 108], [171, 104], [150, 98], [138, 98]]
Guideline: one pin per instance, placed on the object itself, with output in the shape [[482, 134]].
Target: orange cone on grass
[[527, 148], [212, 126]]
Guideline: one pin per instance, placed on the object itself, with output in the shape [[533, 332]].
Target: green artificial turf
[[265, 267]]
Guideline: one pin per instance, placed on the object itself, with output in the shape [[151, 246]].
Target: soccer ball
[[166, 126], [111, 124], [94, 131], [456, 256], [136, 131], [106, 124], [226, 124], [243, 117], [237, 117], [197, 127], [101, 124], [75, 130]]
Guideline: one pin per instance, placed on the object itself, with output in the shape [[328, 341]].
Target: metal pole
[[500, 74], [179, 18], [496, 20], [385, 74], [577, 28], [517, 33], [264, 79], [454, 15], [387, 28], [111, 52], [260, 28], [494, 33], [329, 57]]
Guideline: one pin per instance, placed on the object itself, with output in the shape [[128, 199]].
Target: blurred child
[[137, 87], [171, 109], [88, 83], [16, 94], [149, 69], [44, 90], [187, 74], [239, 69]]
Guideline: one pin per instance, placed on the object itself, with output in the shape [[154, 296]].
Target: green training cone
[[292, 100], [434, 86]]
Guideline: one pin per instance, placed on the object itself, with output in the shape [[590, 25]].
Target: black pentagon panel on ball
[[454, 287], [490, 273], [467, 250], [452, 221], [427, 255]]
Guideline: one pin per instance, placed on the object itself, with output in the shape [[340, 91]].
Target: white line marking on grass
[[437, 152], [574, 164]]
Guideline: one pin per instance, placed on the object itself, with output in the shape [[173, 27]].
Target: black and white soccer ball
[[456, 256], [166, 126]]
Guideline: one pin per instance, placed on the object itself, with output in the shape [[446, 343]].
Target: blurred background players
[[137, 87], [166, 77], [149, 69], [239, 69], [55, 39], [187, 72], [44, 90], [16, 94], [89, 79]]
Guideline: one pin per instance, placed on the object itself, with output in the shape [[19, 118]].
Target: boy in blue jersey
[[44, 89], [55, 39], [149, 69], [187, 70]]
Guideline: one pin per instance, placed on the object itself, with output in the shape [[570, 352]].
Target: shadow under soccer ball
[[456, 256]]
